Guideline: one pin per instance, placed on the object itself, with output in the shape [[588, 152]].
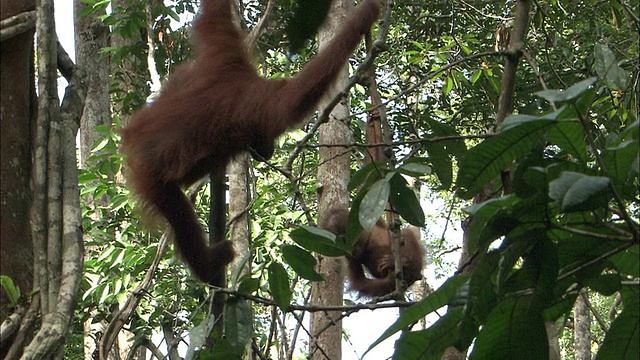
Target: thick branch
[[514, 53], [16, 25]]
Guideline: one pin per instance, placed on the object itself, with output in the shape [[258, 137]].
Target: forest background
[[510, 135]]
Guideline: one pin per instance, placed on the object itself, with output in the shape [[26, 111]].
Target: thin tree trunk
[[90, 37], [582, 327], [239, 201], [333, 175], [505, 107]]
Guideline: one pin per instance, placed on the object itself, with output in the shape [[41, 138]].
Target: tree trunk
[[91, 36], [333, 177], [17, 114], [239, 200], [130, 73], [55, 209], [582, 327], [517, 40]]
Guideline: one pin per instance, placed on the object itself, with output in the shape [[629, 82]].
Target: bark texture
[[17, 112], [333, 177]]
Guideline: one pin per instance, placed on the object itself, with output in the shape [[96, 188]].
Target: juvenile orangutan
[[374, 251]]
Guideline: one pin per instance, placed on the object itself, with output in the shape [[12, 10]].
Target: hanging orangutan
[[214, 108]]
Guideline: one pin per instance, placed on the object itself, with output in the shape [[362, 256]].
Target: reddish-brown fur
[[214, 108], [373, 250]]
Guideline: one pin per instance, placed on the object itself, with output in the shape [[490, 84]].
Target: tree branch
[[17, 24]]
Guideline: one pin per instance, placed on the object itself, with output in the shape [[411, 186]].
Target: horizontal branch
[[17, 24], [316, 308], [408, 142]]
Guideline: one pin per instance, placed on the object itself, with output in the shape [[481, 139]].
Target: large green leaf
[[627, 262], [374, 202], [222, 349], [430, 343], [619, 162], [623, 338], [12, 291], [238, 322], [441, 161], [478, 297], [455, 147], [431, 303], [416, 167], [579, 192], [366, 174], [568, 135], [483, 229], [607, 68], [319, 241], [405, 201], [569, 93], [514, 330], [279, 285], [354, 229], [301, 261], [605, 284], [486, 160], [198, 335]]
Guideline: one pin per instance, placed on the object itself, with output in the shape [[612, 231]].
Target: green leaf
[[238, 323], [430, 343], [86, 177], [569, 136], [483, 229], [248, 285], [301, 261], [568, 94], [103, 129], [12, 291], [365, 175], [319, 241], [605, 284], [619, 160], [628, 262], [442, 165], [514, 330], [516, 120], [354, 229], [448, 85], [279, 285], [431, 303], [478, 297], [476, 76], [623, 339], [374, 202], [579, 192], [607, 68], [118, 202], [455, 147], [405, 201], [485, 161], [415, 167], [198, 335], [100, 144]]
